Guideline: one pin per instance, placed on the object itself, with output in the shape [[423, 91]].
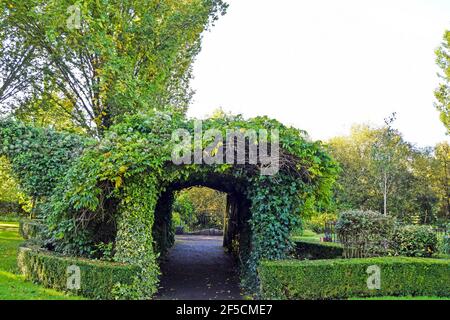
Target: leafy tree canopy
[[99, 60], [416, 179], [201, 207], [443, 92]]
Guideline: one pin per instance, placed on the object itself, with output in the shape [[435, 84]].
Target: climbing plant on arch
[[117, 192]]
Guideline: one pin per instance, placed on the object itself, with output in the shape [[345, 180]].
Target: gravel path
[[197, 268]]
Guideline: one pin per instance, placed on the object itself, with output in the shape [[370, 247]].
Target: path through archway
[[198, 268], [200, 265]]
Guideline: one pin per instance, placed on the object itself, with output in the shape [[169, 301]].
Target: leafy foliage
[[442, 93], [201, 208], [439, 179], [364, 233], [317, 222], [311, 250], [9, 189], [184, 211], [416, 182], [367, 233], [99, 279], [39, 157], [120, 57], [446, 244], [415, 241], [109, 193]]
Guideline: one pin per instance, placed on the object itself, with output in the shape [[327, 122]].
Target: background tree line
[[199, 208], [383, 172]]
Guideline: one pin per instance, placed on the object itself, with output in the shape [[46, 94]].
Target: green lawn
[[307, 235], [12, 285]]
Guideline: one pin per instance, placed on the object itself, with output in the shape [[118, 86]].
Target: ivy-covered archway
[[116, 193], [237, 212]]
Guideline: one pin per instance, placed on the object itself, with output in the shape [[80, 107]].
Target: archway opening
[[199, 211], [201, 231]]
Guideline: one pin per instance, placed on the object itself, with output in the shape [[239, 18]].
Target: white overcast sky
[[323, 65]]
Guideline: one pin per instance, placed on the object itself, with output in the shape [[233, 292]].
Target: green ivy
[[108, 194], [39, 157]]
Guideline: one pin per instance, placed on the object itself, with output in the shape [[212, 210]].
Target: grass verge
[[12, 285]]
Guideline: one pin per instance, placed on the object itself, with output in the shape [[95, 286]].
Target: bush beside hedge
[[314, 250], [364, 233], [446, 244], [98, 278], [414, 241], [344, 278]]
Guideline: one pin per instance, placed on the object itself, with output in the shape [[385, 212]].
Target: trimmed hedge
[[344, 278], [98, 278], [315, 250], [30, 229]]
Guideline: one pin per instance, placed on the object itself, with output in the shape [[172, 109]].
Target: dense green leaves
[[9, 190], [415, 241], [98, 60], [311, 250], [39, 157], [99, 279], [416, 179], [443, 92], [200, 208], [364, 233], [338, 279], [109, 193]]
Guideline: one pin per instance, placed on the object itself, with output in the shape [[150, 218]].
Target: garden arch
[[116, 192], [237, 211]]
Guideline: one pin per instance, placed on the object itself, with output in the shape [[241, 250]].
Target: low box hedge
[[318, 250], [97, 278], [344, 278]]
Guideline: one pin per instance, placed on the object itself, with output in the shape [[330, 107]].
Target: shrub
[[446, 244], [364, 233], [315, 250], [98, 278], [444, 241], [317, 223], [29, 229], [344, 278], [414, 241]]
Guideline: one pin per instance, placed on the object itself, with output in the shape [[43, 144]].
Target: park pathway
[[197, 268]]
